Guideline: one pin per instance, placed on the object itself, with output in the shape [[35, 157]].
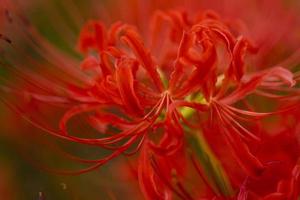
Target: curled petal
[[277, 74], [178, 66], [92, 36], [76, 110], [133, 40], [147, 180], [204, 65], [237, 66], [125, 82], [106, 65], [89, 63]]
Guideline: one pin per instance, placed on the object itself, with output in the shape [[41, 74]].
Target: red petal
[[259, 79], [146, 178], [237, 68], [204, 64], [92, 36], [89, 63], [133, 40], [275, 196], [125, 82], [178, 66]]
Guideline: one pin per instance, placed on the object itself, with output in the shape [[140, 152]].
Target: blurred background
[[27, 154]]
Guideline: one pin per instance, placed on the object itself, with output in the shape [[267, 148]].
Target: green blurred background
[[25, 150]]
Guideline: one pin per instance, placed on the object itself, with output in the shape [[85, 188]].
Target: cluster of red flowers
[[184, 98]]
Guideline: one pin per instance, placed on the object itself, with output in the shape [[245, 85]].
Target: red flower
[[165, 93]]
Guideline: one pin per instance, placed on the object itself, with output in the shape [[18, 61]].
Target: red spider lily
[[165, 94]]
